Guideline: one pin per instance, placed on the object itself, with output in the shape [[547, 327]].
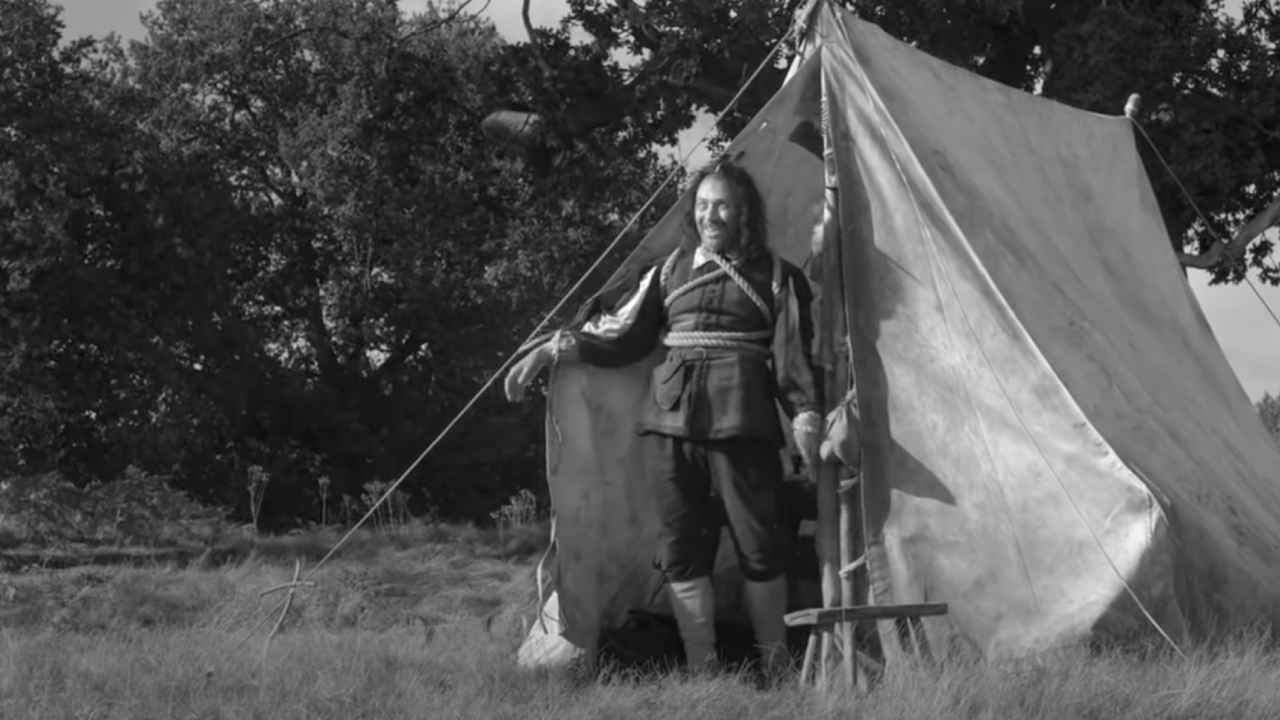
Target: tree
[[273, 234], [100, 295], [1210, 84], [377, 238]]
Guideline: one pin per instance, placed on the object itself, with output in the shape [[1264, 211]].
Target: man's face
[[716, 210]]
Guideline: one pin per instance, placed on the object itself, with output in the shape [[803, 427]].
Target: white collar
[[700, 258]]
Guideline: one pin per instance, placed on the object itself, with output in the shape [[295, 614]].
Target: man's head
[[727, 212]]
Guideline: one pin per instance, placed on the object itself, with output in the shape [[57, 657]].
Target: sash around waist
[[691, 345]]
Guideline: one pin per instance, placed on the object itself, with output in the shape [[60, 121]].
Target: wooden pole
[[827, 540], [810, 650], [831, 520], [848, 526], [838, 382]]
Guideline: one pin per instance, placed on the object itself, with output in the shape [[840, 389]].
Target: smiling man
[[735, 319]]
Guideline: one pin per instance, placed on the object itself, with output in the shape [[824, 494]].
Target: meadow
[[422, 621]]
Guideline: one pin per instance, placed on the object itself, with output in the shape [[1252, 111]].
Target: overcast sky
[[1249, 337]]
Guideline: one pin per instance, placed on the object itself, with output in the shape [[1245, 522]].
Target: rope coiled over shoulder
[[747, 341]]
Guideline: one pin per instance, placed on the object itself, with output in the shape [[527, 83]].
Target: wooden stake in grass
[[292, 587], [258, 479], [323, 482]]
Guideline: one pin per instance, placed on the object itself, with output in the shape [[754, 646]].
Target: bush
[[136, 508]]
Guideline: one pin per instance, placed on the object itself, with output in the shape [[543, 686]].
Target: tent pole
[[827, 538], [832, 514], [838, 376], [849, 671]]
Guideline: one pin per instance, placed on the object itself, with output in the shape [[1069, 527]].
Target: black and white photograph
[[639, 359]]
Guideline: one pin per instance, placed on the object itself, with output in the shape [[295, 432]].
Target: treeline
[[273, 235]]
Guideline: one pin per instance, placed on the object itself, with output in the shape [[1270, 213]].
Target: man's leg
[[687, 540], [748, 475]]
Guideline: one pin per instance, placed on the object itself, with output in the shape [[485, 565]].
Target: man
[[735, 320]]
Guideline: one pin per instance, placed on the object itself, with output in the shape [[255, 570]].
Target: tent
[[1053, 442]]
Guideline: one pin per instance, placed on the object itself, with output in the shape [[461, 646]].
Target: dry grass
[[423, 624]]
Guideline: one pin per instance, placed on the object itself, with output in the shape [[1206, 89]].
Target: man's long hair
[[752, 232]]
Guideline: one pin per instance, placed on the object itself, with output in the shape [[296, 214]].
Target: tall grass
[[424, 625]]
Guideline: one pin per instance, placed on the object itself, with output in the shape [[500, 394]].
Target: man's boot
[[693, 604], [767, 603]]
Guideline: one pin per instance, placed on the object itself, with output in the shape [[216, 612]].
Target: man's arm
[[621, 336], [799, 379], [611, 338]]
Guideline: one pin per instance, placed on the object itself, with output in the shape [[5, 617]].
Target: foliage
[[1269, 411], [1210, 83], [520, 510], [389, 514], [133, 509], [92, 276], [273, 235]]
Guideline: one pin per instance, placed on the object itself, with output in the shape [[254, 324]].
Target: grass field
[[423, 624]]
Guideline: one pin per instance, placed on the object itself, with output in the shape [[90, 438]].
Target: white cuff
[[562, 341], [807, 421]]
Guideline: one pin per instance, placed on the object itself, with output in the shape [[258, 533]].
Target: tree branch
[[714, 84], [448, 19], [411, 343], [644, 32], [533, 42], [1233, 249], [313, 313]]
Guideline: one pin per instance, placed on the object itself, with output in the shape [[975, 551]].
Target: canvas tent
[[1053, 442]]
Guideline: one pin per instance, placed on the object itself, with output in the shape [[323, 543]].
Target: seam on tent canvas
[[928, 186]]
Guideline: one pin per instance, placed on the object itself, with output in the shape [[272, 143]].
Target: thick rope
[[750, 292], [529, 342], [713, 338], [720, 340], [690, 286], [725, 268], [1191, 201]]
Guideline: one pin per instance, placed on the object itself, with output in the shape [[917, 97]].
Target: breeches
[[697, 484]]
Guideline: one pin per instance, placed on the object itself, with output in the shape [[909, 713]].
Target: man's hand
[[524, 371], [843, 443]]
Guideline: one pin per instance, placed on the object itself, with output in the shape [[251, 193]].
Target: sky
[[1248, 336]]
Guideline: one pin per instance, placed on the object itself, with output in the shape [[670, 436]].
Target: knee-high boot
[[767, 603], [693, 604]]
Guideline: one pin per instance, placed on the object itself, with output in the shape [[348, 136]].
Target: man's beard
[[721, 243]]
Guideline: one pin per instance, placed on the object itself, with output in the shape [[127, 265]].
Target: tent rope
[[795, 28], [1194, 206]]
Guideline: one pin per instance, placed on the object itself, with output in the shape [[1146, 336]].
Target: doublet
[[738, 340]]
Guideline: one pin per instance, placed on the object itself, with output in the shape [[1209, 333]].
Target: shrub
[[136, 508]]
